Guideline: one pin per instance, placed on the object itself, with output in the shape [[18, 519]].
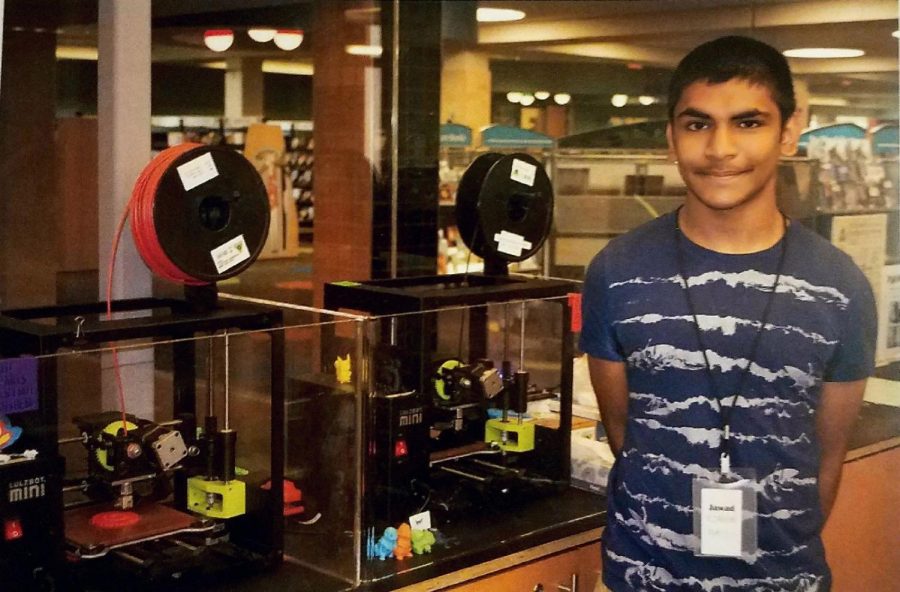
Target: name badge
[[725, 519], [720, 521]]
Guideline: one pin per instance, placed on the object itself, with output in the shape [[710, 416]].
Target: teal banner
[[454, 135], [885, 139], [504, 136], [837, 130]]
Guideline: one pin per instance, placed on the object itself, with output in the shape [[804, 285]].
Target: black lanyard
[[725, 413]]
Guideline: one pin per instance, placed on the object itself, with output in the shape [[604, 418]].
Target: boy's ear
[[672, 156], [790, 135]]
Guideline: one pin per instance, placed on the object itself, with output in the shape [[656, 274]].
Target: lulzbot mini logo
[[411, 417], [27, 489]]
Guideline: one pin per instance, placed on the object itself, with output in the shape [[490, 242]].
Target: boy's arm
[[610, 384], [838, 408]]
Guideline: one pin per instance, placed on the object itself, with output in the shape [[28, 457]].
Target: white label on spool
[[511, 243], [523, 172], [230, 254], [197, 171]]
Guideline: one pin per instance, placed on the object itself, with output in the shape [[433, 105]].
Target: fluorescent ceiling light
[[218, 39], [71, 52], [526, 100], [498, 15], [286, 67], [646, 100], [514, 96], [562, 98], [619, 100], [372, 51], [261, 35], [824, 52], [542, 95], [828, 102], [288, 39]]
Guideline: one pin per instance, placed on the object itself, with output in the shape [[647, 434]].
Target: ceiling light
[[542, 95], [526, 100], [828, 101], [261, 35], [288, 39], [824, 52], [646, 100], [562, 98], [498, 15], [619, 100], [514, 96], [69, 52], [372, 51], [293, 67], [218, 39]]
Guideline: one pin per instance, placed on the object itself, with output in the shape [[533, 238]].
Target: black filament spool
[[191, 223], [494, 196]]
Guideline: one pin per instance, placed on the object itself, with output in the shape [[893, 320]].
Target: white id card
[[725, 516]]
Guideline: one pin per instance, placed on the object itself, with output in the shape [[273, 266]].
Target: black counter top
[[466, 543], [490, 536]]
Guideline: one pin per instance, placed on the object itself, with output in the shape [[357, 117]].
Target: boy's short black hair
[[734, 56]]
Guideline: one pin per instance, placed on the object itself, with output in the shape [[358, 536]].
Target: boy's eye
[[749, 123], [695, 126]]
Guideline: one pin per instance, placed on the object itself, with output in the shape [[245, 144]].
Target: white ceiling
[[659, 32]]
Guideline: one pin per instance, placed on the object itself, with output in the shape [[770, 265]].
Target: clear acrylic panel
[[222, 448]]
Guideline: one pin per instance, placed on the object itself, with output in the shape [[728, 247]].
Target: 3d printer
[[138, 500], [452, 367]]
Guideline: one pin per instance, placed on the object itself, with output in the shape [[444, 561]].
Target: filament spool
[[199, 214], [504, 206]]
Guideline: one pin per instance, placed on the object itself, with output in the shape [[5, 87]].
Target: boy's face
[[727, 139]]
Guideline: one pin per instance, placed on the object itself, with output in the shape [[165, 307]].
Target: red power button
[[13, 529]]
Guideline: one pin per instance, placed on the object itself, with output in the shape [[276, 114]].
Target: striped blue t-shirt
[[821, 327]]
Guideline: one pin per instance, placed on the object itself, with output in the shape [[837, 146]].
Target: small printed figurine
[[404, 545], [8, 433], [422, 540], [385, 545], [343, 369]]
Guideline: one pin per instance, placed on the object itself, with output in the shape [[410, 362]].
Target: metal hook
[[79, 323]]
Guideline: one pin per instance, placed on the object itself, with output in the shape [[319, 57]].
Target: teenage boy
[[729, 349]]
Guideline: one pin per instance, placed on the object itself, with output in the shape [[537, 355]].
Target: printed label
[[26, 489], [720, 526], [523, 172], [197, 171], [230, 254], [511, 243], [18, 385]]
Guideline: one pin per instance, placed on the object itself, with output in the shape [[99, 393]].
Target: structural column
[[243, 88], [28, 257], [466, 90], [123, 109]]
